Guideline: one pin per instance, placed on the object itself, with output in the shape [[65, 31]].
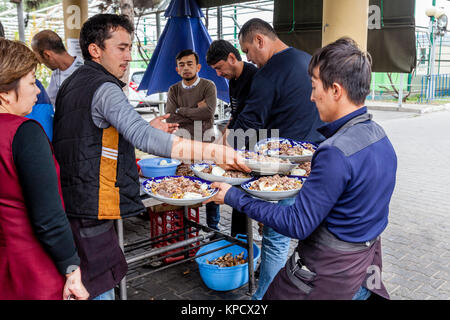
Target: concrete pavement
[[416, 243]]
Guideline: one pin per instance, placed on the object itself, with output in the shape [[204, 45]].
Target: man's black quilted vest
[[99, 177]]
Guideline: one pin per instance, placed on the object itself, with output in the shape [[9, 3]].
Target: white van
[[139, 98]]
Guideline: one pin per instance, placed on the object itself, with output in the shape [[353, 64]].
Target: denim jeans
[[213, 215], [108, 295], [274, 252], [362, 294]]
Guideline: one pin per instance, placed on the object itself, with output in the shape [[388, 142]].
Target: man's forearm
[[186, 149]]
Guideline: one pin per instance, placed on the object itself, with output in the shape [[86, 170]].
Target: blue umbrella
[[184, 30]]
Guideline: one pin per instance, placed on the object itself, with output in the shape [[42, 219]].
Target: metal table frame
[[142, 259]]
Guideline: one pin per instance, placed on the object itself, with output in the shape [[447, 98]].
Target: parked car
[[139, 98]]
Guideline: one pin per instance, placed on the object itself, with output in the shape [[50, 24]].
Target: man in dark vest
[[96, 131], [342, 208]]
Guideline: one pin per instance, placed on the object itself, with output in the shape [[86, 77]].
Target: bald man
[[49, 49]]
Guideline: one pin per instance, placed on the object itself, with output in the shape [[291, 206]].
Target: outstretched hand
[[219, 198], [230, 159], [160, 124]]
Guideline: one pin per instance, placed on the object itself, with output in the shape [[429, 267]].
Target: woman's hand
[[159, 123], [219, 198], [74, 288]]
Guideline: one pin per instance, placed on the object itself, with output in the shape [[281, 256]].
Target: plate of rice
[[274, 188], [214, 173], [179, 190]]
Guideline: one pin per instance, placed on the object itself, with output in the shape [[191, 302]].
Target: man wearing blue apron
[[342, 208]]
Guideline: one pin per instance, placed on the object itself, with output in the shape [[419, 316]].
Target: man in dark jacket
[[278, 103], [223, 57], [343, 206]]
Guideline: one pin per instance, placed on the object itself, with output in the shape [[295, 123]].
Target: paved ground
[[416, 243]]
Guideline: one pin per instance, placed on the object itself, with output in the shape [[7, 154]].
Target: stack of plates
[[196, 168], [261, 147], [269, 168]]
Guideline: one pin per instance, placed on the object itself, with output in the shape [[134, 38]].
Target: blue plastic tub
[[151, 167], [226, 278]]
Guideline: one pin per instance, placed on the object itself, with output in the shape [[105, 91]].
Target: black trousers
[[238, 223], [103, 263]]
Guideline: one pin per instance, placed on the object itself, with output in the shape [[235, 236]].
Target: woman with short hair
[[38, 258]]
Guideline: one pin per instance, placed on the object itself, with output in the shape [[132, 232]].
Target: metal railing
[[435, 87]]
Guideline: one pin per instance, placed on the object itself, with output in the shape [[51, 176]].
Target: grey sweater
[[110, 107]]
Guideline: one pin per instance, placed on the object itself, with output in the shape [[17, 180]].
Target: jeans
[[108, 295], [274, 252], [362, 294], [213, 215]]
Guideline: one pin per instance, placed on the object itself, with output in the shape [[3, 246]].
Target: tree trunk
[[395, 92]]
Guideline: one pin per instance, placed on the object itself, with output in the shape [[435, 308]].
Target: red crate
[[162, 222]]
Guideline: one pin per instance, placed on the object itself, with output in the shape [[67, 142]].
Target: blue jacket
[[280, 98], [349, 189], [43, 111]]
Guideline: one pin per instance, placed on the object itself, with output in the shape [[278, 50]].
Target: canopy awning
[[184, 30], [391, 35]]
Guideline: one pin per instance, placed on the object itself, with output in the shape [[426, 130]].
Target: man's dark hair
[[344, 63], [98, 28], [47, 40], [220, 50], [185, 53], [256, 25]]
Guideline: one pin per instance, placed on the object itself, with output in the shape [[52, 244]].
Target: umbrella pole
[[20, 21], [158, 35], [219, 22]]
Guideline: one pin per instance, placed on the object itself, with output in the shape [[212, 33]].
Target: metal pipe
[[256, 8], [158, 35], [123, 282], [180, 262], [169, 247], [225, 236], [219, 22], [185, 219], [400, 90], [20, 21], [251, 274], [153, 241]]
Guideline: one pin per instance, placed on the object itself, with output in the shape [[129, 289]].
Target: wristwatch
[[71, 269]]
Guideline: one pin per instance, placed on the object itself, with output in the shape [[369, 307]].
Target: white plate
[[259, 147], [176, 202], [272, 195], [269, 168], [196, 168]]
